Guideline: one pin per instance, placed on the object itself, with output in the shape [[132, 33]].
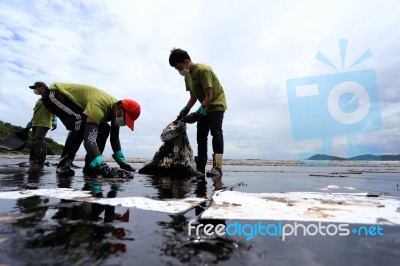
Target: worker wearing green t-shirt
[[99, 108], [203, 86], [40, 123]]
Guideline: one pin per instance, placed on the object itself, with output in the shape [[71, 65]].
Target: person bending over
[[100, 108]]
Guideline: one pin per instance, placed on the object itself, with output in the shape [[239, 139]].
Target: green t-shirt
[[95, 103], [41, 116], [202, 77]]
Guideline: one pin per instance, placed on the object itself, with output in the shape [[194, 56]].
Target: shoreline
[[243, 162]]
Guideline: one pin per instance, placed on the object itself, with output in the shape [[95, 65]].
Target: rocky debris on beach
[[175, 156]]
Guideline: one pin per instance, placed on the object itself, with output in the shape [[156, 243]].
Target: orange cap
[[132, 112]]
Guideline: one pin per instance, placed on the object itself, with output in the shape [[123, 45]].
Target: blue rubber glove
[[54, 123]]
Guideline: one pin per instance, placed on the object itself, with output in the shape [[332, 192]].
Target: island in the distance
[[365, 157]]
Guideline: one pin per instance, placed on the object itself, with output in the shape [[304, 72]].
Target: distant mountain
[[365, 157], [323, 157], [53, 148], [390, 157]]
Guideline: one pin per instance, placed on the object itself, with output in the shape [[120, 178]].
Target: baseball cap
[[38, 83], [132, 112]]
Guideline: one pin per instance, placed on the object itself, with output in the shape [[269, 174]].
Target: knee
[[202, 138], [216, 132]]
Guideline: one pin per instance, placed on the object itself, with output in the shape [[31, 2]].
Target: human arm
[[118, 155], [208, 97], [195, 116], [206, 82], [206, 101], [192, 101], [185, 110], [27, 128]]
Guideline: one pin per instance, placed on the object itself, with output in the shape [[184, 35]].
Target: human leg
[[71, 147], [202, 139], [215, 121], [38, 151], [94, 149]]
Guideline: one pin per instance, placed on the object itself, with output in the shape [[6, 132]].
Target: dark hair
[[178, 56]]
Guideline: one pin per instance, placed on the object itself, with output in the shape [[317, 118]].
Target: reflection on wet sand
[[196, 250], [176, 243], [48, 231], [20, 177], [170, 187], [179, 188], [85, 231]]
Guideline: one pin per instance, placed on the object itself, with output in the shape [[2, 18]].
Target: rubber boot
[[201, 163], [216, 170], [200, 167], [64, 166]]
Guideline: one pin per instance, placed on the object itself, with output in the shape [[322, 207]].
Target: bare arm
[[89, 120], [207, 97], [114, 139], [191, 101]]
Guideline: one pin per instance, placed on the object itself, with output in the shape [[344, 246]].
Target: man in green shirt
[[40, 123], [99, 108], [204, 86], [71, 116]]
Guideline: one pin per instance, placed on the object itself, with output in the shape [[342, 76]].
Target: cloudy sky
[[122, 47]]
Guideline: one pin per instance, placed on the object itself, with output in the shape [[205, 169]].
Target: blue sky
[[254, 47]]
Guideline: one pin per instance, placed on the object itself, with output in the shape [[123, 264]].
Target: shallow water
[[49, 231]]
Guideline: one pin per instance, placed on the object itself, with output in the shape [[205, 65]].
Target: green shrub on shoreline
[[53, 148]]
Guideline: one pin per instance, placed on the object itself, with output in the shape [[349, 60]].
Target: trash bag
[[16, 141], [175, 156]]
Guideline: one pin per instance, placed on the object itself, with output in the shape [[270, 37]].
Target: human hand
[[183, 113], [201, 111], [28, 126], [191, 118], [126, 167], [54, 125]]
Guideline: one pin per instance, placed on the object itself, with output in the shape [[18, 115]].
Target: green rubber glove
[[119, 157], [185, 110], [201, 111], [28, 126], [54, 124], [121, 161]]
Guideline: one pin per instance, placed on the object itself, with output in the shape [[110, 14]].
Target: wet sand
[[245, 162], [48, 231]]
